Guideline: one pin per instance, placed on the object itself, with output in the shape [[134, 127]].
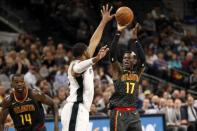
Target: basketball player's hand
[[105, 11], [120, 27], [102, 53], [134, 31]]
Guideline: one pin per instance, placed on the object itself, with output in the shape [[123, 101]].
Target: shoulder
[[74, 62], [135, 76]]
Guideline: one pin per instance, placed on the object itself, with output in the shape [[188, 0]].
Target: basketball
[[124, 15]]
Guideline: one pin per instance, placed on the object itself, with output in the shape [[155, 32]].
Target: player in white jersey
[[75, 114]]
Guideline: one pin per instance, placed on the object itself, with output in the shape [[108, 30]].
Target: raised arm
[[113, 56], [117, 69], [96, 37], [4, 112], [39, 96], [139, 49]]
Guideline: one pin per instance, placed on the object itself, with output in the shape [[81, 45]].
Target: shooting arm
[[113, 56], [113, 47], [39, 96]]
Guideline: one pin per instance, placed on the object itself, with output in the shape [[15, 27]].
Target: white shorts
[[74, 117]]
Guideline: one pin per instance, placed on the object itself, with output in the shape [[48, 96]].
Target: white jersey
[[81, 87]]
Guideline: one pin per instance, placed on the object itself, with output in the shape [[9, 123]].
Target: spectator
[[162, 104], [145, 85], [45, 87], [62, 94], [60, 55], [151, 57], [23, 57], [187, 62], [176, 94], [34, 59], [170, 115], [154, 102], [183, 95], [149, 24], [49, 60], [31, 76], [34, 49], [94, 112], [146, 107], [177, 107], [174, 62], [189, 114], [161, 65], [193, 80], [51, 44], [11, 66], [61, 77]]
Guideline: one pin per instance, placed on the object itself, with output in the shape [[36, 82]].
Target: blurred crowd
[[169, 48]]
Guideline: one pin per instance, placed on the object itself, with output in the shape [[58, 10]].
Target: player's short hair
[[131, 52], [17, 75], [78, 49]]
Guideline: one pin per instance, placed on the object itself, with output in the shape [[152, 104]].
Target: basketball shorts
[[125, 121], [74, 117]]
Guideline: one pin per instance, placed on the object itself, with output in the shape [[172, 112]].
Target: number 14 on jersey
[[26, 118]]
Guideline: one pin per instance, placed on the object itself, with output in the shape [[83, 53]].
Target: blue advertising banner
[[154, 122]]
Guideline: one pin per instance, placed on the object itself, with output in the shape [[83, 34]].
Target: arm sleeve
[[140, 53], [82, 66], [113, 47]]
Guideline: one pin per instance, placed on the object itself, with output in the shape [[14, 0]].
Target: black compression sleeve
[[113, 47], [140, 53]]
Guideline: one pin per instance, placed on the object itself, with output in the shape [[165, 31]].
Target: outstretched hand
[[134, 31], [105, 11], [102, 52]]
